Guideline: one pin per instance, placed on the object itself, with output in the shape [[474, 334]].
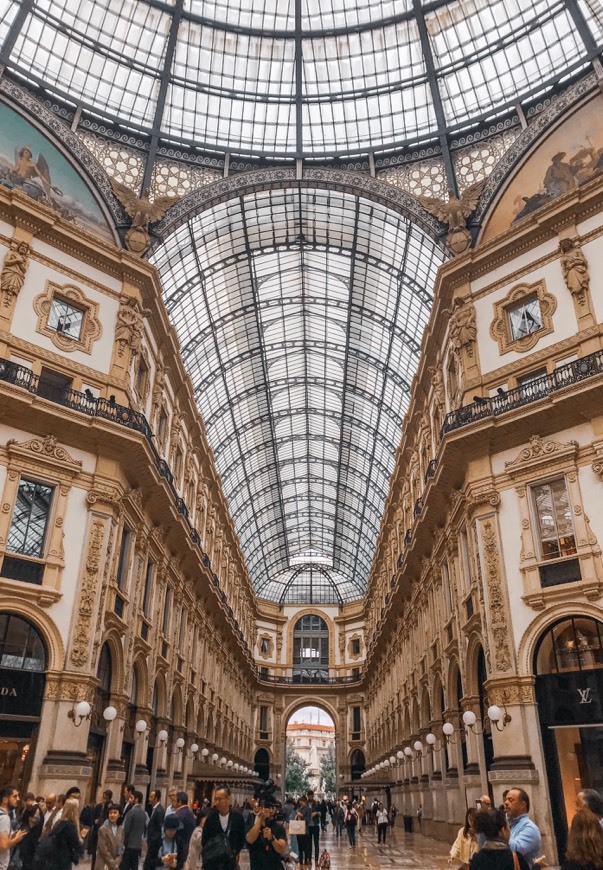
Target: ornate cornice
[[540, 452]]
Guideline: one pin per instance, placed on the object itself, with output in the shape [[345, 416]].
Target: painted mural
[[29, 161], [570, 156]]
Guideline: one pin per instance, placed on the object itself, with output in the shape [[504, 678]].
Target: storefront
[[569, 691], [22, 683]]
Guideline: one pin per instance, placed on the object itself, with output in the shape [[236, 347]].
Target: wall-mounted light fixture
[[80, 712]]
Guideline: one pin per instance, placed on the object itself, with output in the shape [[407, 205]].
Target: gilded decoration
[[540, 451], [13, 272], [575, 270], [143, 213], [454, 212], [500, 328], [496, 602], [91, 329], [48, 450], [265, 646], [82, 634], [130, 325]]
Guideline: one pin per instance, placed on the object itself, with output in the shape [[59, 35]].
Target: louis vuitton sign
[[21, 692]]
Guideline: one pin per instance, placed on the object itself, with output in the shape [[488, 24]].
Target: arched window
[[261, 763], [574, 644], [310, 650], [21, 647], [357, 764]]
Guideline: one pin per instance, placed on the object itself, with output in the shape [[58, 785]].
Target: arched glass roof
[[297, 78], [300, 314]]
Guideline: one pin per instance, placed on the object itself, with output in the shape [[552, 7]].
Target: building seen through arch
[[301, 377]]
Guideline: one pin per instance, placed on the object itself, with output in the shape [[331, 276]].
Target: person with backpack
[[351, 822], [63, 846]]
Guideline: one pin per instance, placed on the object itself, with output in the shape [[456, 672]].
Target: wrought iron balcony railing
[[310, 678], [539, 388]]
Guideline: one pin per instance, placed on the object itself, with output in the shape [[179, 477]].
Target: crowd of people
[[506, 838], [55, 832]]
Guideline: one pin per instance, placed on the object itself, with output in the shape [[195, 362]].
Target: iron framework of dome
[[300, 310]]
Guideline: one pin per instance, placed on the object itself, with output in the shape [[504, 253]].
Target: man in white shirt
[[9, 798]]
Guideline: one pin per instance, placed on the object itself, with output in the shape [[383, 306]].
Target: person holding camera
[[267, 837]]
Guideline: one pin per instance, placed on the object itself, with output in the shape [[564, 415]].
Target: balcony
[[571, 373], [310, 678]]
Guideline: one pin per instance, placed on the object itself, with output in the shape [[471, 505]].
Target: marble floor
[[402, 850]]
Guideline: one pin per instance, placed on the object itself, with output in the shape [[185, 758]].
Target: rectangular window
[[555, 521], [124, 552], [356, 720], [263, 718], [466, 561], [167, 609], [147, 600], [446, 588], [356, 646], [27, 532], [524, 317], [182, 634], [65, 318], [54, 386]]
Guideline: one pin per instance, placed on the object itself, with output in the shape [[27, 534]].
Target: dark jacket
[[187, 820], [62, 848], [496, 859], [154, 828], [29, 844], [134, 827], [236, 830]]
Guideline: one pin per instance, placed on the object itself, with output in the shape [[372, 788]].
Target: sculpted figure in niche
[[129, 329], [463, 329], [574, 268], [14, 267]]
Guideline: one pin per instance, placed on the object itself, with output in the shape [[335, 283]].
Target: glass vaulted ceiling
[[303, 78], [300, 314]]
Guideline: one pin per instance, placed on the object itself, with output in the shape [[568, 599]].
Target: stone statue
[[129, 329], [14, 267], [143, 213], [463, 329], [575, 269], [454, 212]]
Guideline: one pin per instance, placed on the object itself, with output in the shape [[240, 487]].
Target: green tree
[[328, 770], [296, 771]]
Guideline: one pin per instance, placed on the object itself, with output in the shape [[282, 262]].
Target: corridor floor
[[402, 850]]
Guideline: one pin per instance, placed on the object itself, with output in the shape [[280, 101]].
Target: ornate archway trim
[[43, 624], [314, 178], [535, 630], [309, 611]]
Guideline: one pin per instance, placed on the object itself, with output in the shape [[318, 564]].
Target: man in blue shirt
[[525, 836]]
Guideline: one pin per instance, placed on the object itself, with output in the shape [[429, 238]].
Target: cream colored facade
[[461, 592], [313, 742]]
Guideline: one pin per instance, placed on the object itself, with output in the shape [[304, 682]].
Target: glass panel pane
[[30, 516]]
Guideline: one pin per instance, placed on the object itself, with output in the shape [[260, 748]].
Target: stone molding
[[500, 328]]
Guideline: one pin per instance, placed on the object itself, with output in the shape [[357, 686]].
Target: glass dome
[[297, 78]]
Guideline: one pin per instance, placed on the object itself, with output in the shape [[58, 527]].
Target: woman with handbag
[[63, 846], [466, 843], [302, 819]]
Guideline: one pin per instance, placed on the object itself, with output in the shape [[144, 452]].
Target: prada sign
[[21, 692]]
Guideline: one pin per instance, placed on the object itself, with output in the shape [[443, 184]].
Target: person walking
[[100, 815], [584, 842], [109, 841], [223, 833], [154, 830], [323, 815], [465, 845], [63, 846], [382, 823], [525, 836], [9, 798], [351, 823], [186, 819], [339, 819], [193, 859], [32, 822], [304, 848], [134, 824], [313, 829], [495, 853]]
